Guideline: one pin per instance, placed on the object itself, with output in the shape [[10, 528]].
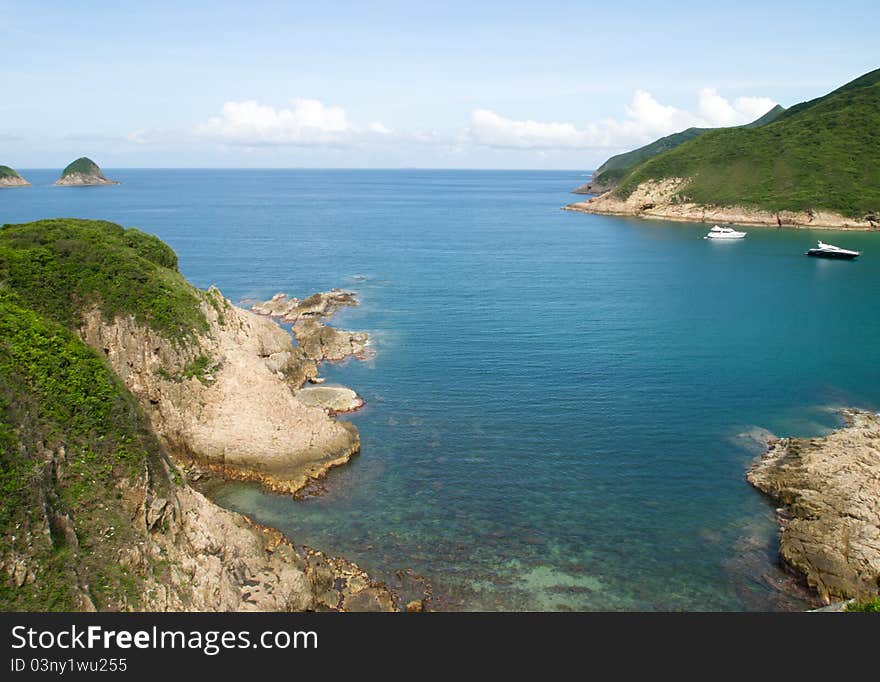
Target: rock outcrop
[[83, 172], [660, 200], [316, 340], [228, 401], [10, 178], [596, 186], [218, 560], [336, 399], [830, 520]]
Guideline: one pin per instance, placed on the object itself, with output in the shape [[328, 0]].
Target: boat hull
[[833, 255]]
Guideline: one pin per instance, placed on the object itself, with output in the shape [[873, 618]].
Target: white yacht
[[724, 233], [830, 251]]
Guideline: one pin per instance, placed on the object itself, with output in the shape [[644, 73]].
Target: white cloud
[[646, 119], [304, 122]]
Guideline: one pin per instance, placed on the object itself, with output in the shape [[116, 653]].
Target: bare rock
[[830, 491], [242, 418]]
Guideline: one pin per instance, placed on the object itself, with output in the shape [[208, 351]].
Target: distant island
[[83, 172], [812, 165], [9, 177]]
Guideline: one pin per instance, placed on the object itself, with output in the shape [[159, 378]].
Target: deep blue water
[[554, 406]]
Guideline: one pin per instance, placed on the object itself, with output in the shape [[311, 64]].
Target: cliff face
[[830, 520], [228, 401], [113, 370], [217, 560]]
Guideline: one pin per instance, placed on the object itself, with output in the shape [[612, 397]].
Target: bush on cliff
[[61, 267], [69, 433]]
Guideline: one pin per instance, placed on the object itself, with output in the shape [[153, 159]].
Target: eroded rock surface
[[317, 340], [227, 400], [332, 398], [660, 199], [830, 520]]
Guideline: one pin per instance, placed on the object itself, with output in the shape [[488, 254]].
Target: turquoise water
[[554, 409]]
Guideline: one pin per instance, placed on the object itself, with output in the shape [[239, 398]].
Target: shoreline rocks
[[240, 417], [658, 200], [335, 399], [316, 340], [829, 489]]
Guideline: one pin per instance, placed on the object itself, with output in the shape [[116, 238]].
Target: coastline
[[227, 402], [656, 200], [829, 491]]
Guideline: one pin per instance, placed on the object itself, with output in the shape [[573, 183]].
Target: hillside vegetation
[[83, 166], [7, 172], [60, 267], [70, 431], [820, 154], [610, 172]]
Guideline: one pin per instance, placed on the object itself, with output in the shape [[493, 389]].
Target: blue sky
[[399, 84]]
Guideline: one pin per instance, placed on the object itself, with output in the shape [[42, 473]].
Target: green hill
[[62, 266], [83, 166], [608, 175], [820, 154], [72, 437], [7, 172]]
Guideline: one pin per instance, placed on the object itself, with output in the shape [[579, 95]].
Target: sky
[[533, 85]]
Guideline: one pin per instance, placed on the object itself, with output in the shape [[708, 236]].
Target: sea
[[561, 408]]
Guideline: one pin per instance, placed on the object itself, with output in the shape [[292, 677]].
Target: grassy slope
[[58, 395], [818, 155], [56, 392], [59, 267], [7, 172], [82, 165], [617, 166]]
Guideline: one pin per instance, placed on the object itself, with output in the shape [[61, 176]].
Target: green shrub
[[61, 267]]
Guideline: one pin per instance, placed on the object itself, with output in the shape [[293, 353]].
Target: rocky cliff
[[115, 373], [829, 489], [228, 400]]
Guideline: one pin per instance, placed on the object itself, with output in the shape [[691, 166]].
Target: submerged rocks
[[830, 521], [83, 172]]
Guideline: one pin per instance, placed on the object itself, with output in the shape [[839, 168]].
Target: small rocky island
[[829, 489], [9, 177], [81, 173]]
